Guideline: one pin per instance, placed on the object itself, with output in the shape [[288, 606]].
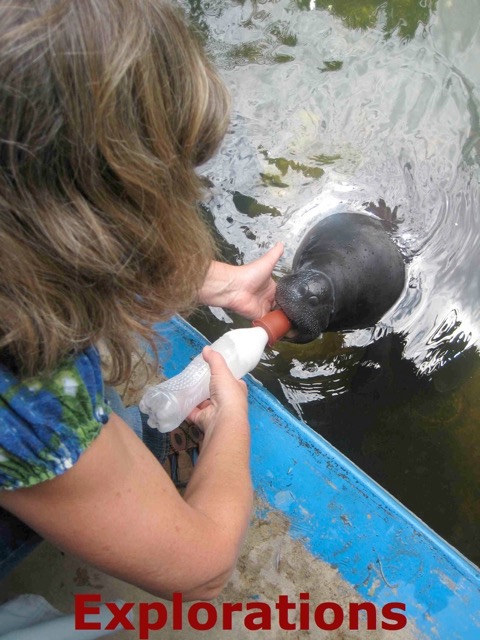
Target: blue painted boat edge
[[304, 432], [343, 517], [439, 585]]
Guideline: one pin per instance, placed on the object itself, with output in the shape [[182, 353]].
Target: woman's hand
[[228, 397], [248, 290]]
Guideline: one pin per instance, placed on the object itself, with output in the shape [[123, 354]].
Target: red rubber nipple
[[275, 323]]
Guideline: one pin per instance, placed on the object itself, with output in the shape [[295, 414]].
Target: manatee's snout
[[307, 299]]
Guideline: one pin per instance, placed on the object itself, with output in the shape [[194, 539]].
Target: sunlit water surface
[[337, 106]]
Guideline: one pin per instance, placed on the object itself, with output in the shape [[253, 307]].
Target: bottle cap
[[275, 323]]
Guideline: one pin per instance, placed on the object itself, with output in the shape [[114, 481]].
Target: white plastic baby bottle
[[170, 402]]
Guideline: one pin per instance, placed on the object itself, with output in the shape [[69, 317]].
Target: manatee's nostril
[[303, 289], [313, 301]]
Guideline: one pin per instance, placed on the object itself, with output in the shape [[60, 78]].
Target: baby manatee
[[346, 274]]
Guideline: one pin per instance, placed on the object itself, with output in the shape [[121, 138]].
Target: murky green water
[[337, 105]]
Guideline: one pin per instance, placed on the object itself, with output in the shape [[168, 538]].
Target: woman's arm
[[248, 289], [117, 509]]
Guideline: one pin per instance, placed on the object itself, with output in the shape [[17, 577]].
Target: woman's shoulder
[[47, 421]]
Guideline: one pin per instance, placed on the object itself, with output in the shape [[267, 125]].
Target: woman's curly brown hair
[[107, 108]]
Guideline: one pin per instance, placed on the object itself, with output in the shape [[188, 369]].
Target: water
[[337, 106]]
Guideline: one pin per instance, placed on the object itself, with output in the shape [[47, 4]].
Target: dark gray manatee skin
[[346, 274]]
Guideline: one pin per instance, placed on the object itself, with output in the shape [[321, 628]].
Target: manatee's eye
[[313, 301]]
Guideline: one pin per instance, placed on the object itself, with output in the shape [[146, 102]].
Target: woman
[[108, 106]]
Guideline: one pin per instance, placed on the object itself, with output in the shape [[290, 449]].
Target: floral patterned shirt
[[46, 422]]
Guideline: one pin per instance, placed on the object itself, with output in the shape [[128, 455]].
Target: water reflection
[[350, 105], [402, 17]]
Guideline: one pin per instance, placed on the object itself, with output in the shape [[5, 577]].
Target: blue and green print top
[[46, 422]]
